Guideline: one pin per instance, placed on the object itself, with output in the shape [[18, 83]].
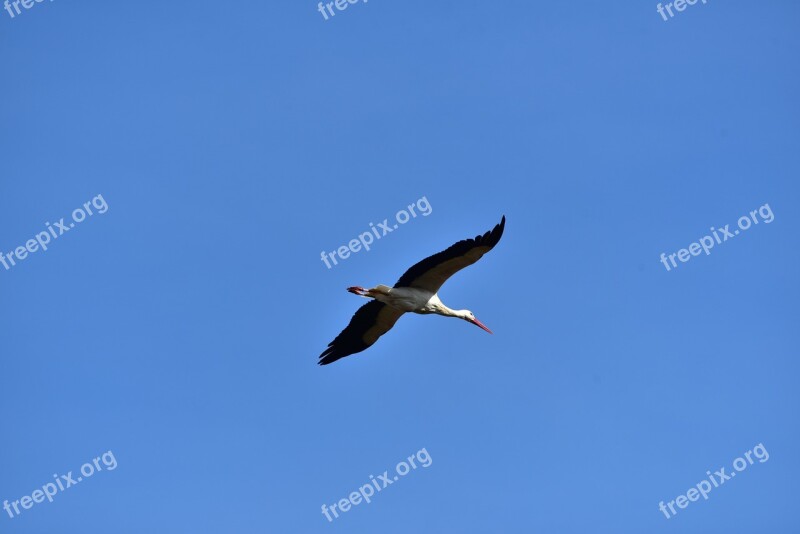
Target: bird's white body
[[412, 299]]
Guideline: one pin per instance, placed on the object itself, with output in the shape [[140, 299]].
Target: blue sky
[[234, 142]]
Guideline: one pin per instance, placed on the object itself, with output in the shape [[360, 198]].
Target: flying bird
[[416, 291]]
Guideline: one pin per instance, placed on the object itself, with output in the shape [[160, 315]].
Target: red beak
[[480, 324]]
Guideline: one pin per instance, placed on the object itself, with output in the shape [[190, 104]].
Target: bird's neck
[[444, 310]]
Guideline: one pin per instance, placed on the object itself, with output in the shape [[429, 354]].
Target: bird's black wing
[[434, 271], [370, 322]]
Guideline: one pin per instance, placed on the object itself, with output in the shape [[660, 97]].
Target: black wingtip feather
[[349, 340], [489, 239]]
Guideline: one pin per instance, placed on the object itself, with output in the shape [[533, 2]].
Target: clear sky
[[232, 143]]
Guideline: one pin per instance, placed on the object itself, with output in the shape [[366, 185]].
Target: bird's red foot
[[357, 290]]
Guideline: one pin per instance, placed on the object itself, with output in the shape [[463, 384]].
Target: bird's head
[[470, 317]]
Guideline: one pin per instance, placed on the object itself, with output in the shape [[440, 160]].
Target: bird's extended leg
[[358, 290], [375, 292]]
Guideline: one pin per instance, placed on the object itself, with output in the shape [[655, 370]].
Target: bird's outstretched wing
[[370, 322], [434, 271]]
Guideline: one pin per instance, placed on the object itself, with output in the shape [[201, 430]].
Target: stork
[[416, 292]]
